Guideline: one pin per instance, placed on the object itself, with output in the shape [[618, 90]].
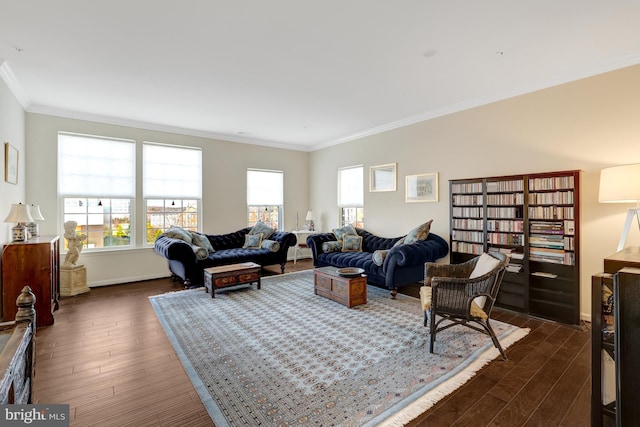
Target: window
[[96, 182], [351, 196], [172, 187], [265, 196]]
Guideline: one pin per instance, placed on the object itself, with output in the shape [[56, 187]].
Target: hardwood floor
[[108, 358]]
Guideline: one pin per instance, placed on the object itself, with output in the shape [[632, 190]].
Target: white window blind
[[93, 166], [265, 187], [171, 172], [350, 186]]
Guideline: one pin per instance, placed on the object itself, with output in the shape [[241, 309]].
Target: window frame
[[357, 205], [263, 203]]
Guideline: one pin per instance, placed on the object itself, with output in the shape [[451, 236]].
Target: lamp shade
[[34, 210], [620, 184], [19, 213], [309, 216]]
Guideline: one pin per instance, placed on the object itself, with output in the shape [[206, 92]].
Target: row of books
[[467, 212], [556, 256], [505, 199], [467, 248], [552, 227], [505, 225], [467, 187], [557, 198], [513, 267], [499, 186], [467, 199], [551, 212], [504, 212], [467, 223], [505, 238], [551, 183], [468, 236]]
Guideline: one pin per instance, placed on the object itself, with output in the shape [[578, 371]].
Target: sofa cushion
[[253, 241], [178, 233], [332, 246], [379, 256], [419, 233], [202, 241], [351, 243], [263, 228], [342, 231]]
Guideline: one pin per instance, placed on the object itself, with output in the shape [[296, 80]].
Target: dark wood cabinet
[[535, 218], [36, 263], [620, 285]]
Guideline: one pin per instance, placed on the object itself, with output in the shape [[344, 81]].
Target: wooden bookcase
[[35, 262], [533, 217]]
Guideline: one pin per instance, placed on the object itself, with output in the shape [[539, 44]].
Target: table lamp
[[19, 214], [621, 184], [33, 227], [309, 218]]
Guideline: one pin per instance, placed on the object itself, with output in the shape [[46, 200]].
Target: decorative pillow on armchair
[[419, 233], [342, 231], [252, 241], [351, 243], [263, 228], [332, 246]]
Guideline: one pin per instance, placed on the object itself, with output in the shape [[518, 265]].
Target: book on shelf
[[514, 268]]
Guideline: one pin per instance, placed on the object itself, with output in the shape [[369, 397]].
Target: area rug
[[284, 356]]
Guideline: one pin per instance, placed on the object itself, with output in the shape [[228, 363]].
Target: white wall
[[224, 189], [12, 130], [587, 125]]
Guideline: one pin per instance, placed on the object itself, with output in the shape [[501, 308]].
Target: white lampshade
[[309, 216], [620, 184], [35, 213], [19, 213]]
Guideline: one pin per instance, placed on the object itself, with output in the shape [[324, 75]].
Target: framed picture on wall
[[10, 163], [422, 188], [382, 177]]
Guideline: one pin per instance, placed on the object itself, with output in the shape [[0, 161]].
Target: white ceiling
[[300, 74]]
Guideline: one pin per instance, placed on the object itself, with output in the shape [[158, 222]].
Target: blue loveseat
[[228, 249], [403, 264]]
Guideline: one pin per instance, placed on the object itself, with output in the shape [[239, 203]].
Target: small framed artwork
[[382, 177], [10, 163], [422, 188]]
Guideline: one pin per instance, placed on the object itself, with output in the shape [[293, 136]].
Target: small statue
[[74, 244]]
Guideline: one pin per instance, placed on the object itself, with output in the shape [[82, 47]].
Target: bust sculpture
[[74, 244]]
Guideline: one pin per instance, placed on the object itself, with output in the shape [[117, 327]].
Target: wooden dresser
[[36, 263]]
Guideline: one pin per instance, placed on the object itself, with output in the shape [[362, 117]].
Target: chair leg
[[432, 331], [495, 339]]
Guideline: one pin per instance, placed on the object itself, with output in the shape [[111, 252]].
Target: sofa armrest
[[315, 241], [174, 249], [285, 238], [417, 253]]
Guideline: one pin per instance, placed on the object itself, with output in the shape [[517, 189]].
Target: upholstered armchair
[[463, 294]]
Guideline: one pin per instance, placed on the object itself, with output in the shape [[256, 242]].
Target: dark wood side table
[[231, 275], [348, 291]]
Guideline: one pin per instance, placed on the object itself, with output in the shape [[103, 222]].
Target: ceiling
[[300, 74]]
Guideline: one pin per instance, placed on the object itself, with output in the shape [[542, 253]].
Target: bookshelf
[[535, 219]]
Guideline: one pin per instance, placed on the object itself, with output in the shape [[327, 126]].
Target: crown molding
[[14, 85]]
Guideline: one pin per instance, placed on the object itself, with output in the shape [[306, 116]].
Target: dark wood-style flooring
[[108, 357]]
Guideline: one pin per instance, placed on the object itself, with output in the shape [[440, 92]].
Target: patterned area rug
[[283, 356]]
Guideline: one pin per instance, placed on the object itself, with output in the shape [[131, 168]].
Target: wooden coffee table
[[349, 291], [231, 275]]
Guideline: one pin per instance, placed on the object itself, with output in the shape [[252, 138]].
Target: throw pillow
[[379, 256], [485, 264], [272, 245], [178, 233], [263, 228], [419, 233], [351, 243], [202, 241], [342, 231], [252, 241], [201, 253], [332, 246]]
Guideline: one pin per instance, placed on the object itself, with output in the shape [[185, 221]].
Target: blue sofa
[[228, 250], [403, 265]]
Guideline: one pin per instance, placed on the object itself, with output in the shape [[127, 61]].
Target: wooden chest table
[[349, 291], [231, 275]]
